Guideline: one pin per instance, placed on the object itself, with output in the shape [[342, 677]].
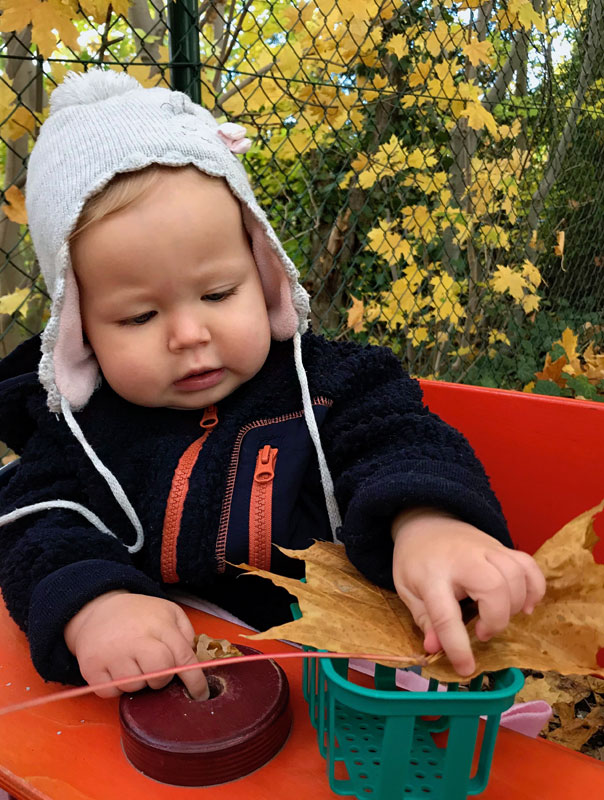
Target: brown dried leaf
[[206, 648], [575, 732], [342, 611], [555, 688]]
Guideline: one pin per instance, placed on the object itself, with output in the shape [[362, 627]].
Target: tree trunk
[[139, 16]]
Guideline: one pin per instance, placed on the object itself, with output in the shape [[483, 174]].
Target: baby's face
[[170, 295]]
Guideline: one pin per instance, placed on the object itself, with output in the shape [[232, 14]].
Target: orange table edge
[[70, 750]]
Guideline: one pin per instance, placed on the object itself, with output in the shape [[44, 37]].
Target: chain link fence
[[435, 170]]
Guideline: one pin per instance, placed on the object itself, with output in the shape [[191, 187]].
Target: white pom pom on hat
[[81, 88]]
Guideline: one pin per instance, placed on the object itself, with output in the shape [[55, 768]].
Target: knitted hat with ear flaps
[[102, 123]]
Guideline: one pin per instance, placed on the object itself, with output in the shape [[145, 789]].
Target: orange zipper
[[261, 505], [178, 494], [225, 514]]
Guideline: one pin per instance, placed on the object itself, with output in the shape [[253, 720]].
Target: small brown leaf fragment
[[206, 648]]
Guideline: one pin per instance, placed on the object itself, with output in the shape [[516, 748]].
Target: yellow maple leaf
[[15, 208], [420, 73], [418, 222], [559, 246], [479, 117], [13, 302], [438, 39], [22, 121], [389, 243], [419, 158], [477, 51], [530, 303], [505, 279], [399, 45], [529, 17], [418, 335], [531, 272], [355, 316], [569, 340]]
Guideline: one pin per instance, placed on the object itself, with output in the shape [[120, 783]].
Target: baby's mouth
[[203, 379]]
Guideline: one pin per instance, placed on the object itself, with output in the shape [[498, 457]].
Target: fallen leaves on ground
[[578, 705], [342, 611]]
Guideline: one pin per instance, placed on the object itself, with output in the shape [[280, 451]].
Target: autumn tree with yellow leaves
[[397, 148]]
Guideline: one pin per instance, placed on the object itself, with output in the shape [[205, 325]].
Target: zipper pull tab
[[265, 464], [210, 418]]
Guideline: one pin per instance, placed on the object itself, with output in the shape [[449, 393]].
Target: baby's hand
[[120, 634], [439, 560]]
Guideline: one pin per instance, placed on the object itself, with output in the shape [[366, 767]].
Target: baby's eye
[[140, 319], [217, 297]]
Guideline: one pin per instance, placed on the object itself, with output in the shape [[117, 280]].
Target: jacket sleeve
[[54, 561], [388, 452]]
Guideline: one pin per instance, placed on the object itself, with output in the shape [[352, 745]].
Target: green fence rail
[[434, 169]]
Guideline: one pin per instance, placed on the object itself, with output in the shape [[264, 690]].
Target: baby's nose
[[188, 330]]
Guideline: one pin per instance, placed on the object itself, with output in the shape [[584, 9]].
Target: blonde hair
[[123, 190]]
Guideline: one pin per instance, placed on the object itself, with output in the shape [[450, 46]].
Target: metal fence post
[[184, 47]]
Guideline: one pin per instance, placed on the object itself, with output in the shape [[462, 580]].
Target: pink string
[[67, 694]]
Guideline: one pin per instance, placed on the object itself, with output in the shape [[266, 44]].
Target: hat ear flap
[[283, 317], [75, 366]]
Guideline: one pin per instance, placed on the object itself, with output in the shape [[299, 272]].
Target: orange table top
[[70, 750]]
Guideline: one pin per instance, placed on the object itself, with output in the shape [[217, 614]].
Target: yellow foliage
[[371, 88], [506, 279], [15, 210], [44, 18], [418, 221], [478, 52], [479, 117], [389, 243], [531, 273], [20, 122], [398, 304], [445, 291], [142, 73], [97, 9], [355, 316], [389, 159], [420, 73], [530, 303], [398, 45], [14, 301]]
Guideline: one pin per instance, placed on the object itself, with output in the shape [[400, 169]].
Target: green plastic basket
[[387, 737]]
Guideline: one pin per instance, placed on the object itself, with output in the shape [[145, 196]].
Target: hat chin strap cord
[[109, 477], [335, 520]]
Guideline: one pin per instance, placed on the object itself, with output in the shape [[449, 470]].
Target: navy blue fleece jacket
[[385, 450]]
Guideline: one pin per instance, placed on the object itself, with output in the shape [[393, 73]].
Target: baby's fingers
[[534, 578], [129, 670], [183, 654], [445, 621]]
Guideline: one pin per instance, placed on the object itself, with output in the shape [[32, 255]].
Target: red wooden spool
[[174, 739]]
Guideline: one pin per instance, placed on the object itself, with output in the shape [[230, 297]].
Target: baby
[[209, 423]]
